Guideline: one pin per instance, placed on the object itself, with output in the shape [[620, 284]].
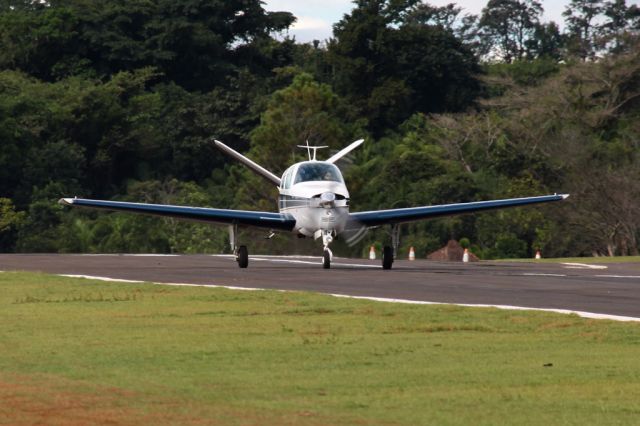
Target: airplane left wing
[[382, 217], [276, 221]]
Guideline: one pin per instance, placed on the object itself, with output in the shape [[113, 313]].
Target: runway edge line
[[590, 315]]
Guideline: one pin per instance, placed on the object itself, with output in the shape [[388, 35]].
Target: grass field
[[76, 351]]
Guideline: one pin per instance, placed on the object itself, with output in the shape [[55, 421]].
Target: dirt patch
[[47, 400], [54, 401]]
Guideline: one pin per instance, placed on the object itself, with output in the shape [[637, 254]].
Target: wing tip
[[565, 196], [67, 201]]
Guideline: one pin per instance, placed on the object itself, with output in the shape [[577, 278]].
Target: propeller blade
[[354, 232]]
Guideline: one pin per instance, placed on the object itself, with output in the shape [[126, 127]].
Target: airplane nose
[[327, 199]]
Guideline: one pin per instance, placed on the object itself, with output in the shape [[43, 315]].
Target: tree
[[621, 21], [389, 64], [10, 221], [509, 26], [305, 110], [443, 16], [547, 42], [582, 29], [194, 43]]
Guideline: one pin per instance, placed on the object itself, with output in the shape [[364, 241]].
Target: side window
[[286, 181]]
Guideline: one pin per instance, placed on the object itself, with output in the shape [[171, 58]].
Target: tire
[[243, 257], [387, 257], [326, 260]]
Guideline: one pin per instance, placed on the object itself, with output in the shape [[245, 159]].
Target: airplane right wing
[[393, 216], [275, 221]]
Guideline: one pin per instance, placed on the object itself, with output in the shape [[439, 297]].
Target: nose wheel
[[326, 259], [327, 237]]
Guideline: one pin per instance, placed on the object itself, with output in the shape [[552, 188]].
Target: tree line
[[120, 99]]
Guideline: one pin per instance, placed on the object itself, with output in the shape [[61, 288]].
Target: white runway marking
[[275, 256], [382, 299], [317, 262], [534, 274], [120, 280], [91, 277], [151, 255], [129, 254], [507, 307], [619, 276], [583, 266]]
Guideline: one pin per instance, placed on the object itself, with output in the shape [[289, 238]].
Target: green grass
[[73, 350], [616, 259]]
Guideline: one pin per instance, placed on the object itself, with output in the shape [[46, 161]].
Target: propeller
[[354, 232]]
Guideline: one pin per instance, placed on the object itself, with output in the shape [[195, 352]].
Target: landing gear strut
[[241, 252]]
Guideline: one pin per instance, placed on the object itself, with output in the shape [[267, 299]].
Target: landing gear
[[388, 253], [387, 257], [242, 257], [326, 259], [327, 238], [241, 252]]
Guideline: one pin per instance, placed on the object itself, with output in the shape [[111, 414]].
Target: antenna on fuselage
[[314, 148]]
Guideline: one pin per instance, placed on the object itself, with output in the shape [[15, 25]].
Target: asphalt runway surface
[[612, 289]]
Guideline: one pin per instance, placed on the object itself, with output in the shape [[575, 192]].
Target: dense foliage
[[120, 99]]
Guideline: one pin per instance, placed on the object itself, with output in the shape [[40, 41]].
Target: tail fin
[[250, 164], [338, 155]]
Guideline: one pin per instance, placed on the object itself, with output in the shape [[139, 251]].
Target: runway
[[612, 289]]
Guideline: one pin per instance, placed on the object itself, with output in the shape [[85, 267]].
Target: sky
[[315, 17]]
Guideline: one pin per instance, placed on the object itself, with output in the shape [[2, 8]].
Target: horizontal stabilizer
[[249, 163]]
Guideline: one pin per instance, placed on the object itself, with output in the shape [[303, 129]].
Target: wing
[[220, 216], [381, 217]]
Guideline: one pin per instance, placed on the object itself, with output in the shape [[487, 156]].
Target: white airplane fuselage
[[314, 193]]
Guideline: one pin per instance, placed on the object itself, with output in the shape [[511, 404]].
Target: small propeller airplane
[[313, 202]]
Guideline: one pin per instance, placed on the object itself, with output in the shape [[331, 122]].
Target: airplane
[[313, 202]]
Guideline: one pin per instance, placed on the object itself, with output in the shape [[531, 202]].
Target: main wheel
[[326, 260], [243, 257], [387, 257]]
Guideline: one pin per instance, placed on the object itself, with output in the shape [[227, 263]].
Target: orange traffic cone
[[465, 256], [372, 253], [538, 255], [412, 254]]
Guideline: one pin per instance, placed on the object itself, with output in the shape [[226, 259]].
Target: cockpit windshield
[[318, 172]]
